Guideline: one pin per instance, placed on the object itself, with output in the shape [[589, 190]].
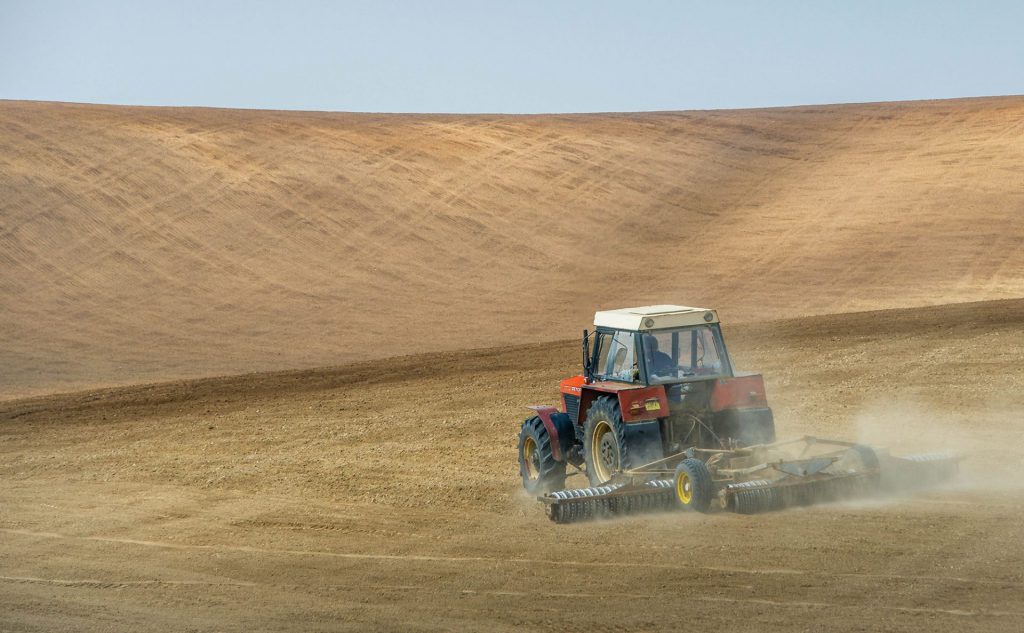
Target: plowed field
[[384, 496], [148, 244]]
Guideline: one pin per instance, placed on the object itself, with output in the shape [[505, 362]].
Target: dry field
[[147, 244], [396, 278], [384, 496]]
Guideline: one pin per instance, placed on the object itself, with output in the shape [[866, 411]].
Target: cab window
[[617, 357], [691, 353]]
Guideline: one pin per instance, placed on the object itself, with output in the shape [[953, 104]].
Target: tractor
[[660, 417]]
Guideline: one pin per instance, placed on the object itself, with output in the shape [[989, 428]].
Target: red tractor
[[660, 418], [656, 381]]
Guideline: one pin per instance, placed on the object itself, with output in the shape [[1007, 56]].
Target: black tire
[[540, 471], [607, 453], [693, 486]]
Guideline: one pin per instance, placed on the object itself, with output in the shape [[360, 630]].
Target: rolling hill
[[144, 244]]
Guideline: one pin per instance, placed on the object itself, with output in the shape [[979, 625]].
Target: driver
[[661, 364]]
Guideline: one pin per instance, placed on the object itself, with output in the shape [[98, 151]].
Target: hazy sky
[[447, 56]]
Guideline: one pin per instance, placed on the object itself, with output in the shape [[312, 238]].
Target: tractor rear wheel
[[604, 441], [540, 470], [693, 485]]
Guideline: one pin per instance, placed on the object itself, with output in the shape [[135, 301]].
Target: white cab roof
[[654, 317]]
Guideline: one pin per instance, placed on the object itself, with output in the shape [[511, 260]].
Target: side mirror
[[587, 369]]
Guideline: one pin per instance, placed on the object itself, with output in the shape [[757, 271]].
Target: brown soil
[[146, 244], [384, 496]]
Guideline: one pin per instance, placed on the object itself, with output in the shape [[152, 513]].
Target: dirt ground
[[148, 244], [383, 496]]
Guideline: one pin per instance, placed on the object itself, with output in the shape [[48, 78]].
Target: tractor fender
[[738, 392], [640, 407], [637, 403], [559, 427]]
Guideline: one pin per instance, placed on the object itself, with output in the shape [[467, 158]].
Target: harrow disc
[[587, 504], [920, 471], [752, 497]]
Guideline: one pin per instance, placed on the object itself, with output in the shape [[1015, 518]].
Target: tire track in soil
[[491, 560]]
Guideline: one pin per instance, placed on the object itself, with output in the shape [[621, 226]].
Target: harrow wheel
[[693, 486], [540, 471]]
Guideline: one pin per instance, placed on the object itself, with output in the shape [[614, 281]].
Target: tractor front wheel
[[540, 470], [693, 485]]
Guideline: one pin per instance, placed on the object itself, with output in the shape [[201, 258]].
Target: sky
[[511, 57]]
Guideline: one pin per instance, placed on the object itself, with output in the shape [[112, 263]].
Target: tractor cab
[[656, 345]]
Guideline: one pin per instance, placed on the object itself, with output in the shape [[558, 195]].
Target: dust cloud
[[988, 439]]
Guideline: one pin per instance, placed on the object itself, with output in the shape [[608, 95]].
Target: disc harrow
[[764, 487]]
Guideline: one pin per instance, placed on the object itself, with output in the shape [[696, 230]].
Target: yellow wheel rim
[[530, 458], [684, 489], [601, 429]]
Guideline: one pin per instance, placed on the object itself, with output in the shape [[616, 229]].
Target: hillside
[[143, 244]]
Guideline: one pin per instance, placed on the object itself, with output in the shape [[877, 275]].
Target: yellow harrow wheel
[[694, 488], [684, 488]]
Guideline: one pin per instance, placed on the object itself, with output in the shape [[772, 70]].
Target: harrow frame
[[759, 478]]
